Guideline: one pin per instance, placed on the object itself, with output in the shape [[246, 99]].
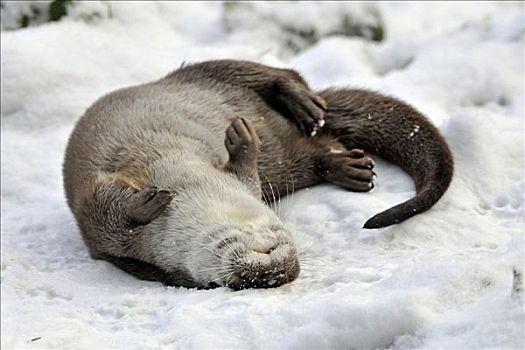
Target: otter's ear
[[147, 204]]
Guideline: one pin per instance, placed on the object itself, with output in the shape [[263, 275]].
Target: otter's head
[[220, 234], [247, 256]]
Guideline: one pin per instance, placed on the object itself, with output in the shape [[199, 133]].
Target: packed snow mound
[[448, 278]]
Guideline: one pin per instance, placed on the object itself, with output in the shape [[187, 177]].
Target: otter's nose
[[268, 268]]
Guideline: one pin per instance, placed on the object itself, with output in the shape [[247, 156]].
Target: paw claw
[[349, 170], [303, 107]]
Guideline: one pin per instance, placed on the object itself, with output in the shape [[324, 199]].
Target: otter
[[170, 180]]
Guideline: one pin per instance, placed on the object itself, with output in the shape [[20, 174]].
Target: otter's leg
[[140, 207], [147, 204], [284, 90], [111, 214], [305, 162], [243, 145]]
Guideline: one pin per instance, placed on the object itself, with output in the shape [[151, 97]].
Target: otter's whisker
[[288, 199], [275, 204], [271, 187], [227, 275], [286, 204], [280, 203], [216, 268], [266, 196]]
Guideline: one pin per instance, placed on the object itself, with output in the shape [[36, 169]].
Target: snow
[[443, 279]]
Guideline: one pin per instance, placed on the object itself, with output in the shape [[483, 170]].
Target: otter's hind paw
[[349, 169], [242, 143]]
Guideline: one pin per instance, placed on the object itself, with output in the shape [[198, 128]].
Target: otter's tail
[[398, 133]]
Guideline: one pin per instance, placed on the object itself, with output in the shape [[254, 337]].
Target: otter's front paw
[[242, 143], [302, 106], [349, 169], [147, 204]]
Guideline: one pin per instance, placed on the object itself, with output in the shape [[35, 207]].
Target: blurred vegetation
[[365, 21], [27, 18], [289, 35], [37, 13], [58, 9], [301, 38]]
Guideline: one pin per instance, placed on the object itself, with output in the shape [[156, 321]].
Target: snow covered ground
[[443, 279]]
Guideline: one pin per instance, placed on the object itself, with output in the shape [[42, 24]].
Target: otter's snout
[[266, 268]]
